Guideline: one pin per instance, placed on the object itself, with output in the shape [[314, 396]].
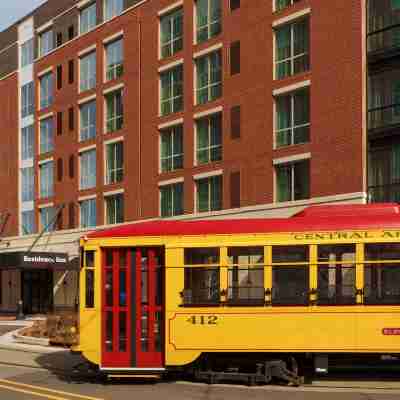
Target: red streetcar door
[[116, 307], [149, 311]]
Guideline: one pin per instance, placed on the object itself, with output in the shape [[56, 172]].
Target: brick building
[[127, 110]]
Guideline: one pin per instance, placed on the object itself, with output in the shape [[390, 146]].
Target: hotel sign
[[31, 260]]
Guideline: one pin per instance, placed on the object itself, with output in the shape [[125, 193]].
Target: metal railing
[[384, 193], [380, 117]]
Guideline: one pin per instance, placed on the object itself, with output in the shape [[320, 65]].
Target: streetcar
[[247, 298]]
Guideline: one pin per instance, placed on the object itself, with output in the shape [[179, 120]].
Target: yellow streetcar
[[247, 298]]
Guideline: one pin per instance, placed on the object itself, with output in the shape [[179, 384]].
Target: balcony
[[381, 118], [384, 102], [383, 30], [384, 193]]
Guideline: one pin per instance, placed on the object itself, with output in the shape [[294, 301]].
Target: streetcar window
[[290, 254], [202, 256], [382, 280], [89, 259], [290, 279], [246, 275], [336, 274], [290, 285], [89, 284], [201, 286]]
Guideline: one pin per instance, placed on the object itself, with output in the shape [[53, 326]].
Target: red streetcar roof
[[316, 218]]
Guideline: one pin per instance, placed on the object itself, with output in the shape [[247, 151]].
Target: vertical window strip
[[115, 58], [114, 109], [87, 169], [209, 77], [171, 154], [46, 179], [209, 139], [171, 33], [208, 19]]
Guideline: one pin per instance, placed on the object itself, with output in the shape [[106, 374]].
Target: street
[[23, 383]]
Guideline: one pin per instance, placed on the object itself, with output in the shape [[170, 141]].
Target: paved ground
[[17, 383], [29, 372], [8, 328]]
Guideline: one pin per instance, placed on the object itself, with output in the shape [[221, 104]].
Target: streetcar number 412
[[203, 320]]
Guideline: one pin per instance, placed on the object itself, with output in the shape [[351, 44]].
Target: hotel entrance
[[37, 291]]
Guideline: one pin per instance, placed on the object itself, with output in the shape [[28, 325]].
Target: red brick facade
[[337, 93]]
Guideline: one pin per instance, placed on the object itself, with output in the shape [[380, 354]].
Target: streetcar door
[[149, 307], [132, 308], [116, 307]]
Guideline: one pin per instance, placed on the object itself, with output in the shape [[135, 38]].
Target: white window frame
[[163, 131], [83, 9], [200, 177], [27, 56], [209, 85], [49, 135], [27, 184], [87, 172], [89, 82], [106, 59], [89, 127], [171, 99], [46, 188], [27, 142], [46, 90], [209, 22], [115, 118], [168, 14], [115, 12], [292, 124], [88, 200], [50, 211], [24, 230], [109, 195], [27, 99], [161, 186], [108, 172], [49, 35]]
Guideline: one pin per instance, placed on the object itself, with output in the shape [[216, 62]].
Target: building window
[[87, 71], [171, 85], [87, 165], [171, 33], [209, 77], [88, 213], [46, 41], [293, 118], [87, 18], [114, 209], [27, 53], [114, 59], [281, 4], [87, 123], [171, 200], [112, 8], [171, 151], [293, 181], [27, 184], [28, 222], [209, 139], [209, 194], [47, 219], [46, 135], [46, 171], [208, 19], [114, 111], [27, 99], [46, 90], [114, 162], [292, 49], [27, 137]]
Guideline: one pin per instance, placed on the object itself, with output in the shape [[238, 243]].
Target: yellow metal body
[[349, 329]]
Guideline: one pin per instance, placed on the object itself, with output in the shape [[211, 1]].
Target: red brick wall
[[9, 152], [336, 103]]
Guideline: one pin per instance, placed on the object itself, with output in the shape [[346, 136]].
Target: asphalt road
[[20, 383]]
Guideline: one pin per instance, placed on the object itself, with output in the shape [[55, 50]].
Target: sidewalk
[[58, 360]]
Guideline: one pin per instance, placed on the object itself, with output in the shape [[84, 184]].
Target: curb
[[29, 339]]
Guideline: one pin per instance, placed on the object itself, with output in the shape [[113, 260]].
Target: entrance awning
[[38, 260]]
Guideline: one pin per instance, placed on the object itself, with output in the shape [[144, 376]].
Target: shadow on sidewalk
[[68, 367]]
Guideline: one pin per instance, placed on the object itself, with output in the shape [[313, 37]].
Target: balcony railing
[[384, 40], [384, 193], [382, 117]]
